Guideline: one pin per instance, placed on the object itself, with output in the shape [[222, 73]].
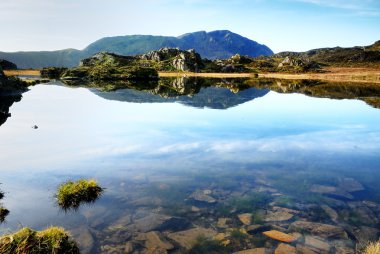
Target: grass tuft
[[71, 195], [372, 248], [54, 240]]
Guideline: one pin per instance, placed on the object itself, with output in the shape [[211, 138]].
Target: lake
[[225, 159]]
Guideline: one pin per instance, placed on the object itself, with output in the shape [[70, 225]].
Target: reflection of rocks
[[322, 230], [5, 103], [188, 237], [202, 196]]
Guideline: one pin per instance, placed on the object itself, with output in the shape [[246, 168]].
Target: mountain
[[353, 56], [213, 45]]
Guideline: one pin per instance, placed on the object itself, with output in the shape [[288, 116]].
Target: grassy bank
[[359, 75]]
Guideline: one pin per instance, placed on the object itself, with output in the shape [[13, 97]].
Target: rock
[[365, 214], [323, 230], [331, 212], [199, 195], [189, 237], [254, 229], [280, 214], [350, 185], [365, 234], [302, 249], [84, 239], [317, 244], [285, 249], [129, 247], [6, 65], [195, 209], [174, 224], [330, 190], [148, 223], [222, 223], [245, 218], [255, 251], [279, 236], [154, 242], [344, 250]]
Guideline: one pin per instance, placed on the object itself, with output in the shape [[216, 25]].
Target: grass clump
[[372, 248], [71, 195], [54, 240]]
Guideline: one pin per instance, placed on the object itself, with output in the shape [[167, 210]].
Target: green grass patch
[[53, 240], [71, 195]]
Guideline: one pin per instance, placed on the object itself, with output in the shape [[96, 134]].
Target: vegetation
[[372, 248], [54, 240], [3, 213], [71, 195], [205, 245]]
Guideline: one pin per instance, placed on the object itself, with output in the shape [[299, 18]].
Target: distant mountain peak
[[219, 44]]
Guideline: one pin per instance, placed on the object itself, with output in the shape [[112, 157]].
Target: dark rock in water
[[5, 103], [254, 229], [174, 224], [35, 127], [6, 65], [319, 229]]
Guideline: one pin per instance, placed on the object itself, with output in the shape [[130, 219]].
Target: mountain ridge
[[213, 45]]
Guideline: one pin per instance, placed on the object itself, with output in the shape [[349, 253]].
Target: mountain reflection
[[225, 93]]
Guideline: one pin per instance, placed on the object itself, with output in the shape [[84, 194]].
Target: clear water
[[151, 153]]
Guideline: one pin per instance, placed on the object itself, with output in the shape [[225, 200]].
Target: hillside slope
[[212, 45]]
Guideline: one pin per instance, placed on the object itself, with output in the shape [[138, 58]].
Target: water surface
[[248, 150]]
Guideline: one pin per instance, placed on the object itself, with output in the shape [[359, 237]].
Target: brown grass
[[372, 248], [22, 72]]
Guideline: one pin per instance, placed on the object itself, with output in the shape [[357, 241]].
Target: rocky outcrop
[[6, 65], [175, 59]]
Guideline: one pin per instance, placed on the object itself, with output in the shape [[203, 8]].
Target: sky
[[282, 25]]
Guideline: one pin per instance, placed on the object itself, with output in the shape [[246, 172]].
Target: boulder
[[330, 212]]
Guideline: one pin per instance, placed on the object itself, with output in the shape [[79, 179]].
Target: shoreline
[[334, 74]]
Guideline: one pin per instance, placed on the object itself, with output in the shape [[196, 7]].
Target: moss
[[51, 240], [205, 245], [71, 195]]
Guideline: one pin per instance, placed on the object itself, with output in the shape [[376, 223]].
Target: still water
[[178, 165]]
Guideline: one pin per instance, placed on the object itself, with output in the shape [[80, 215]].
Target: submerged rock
[[280, 214], [322, 230], [331, 212], [279, 236], [285, 249], [330, 190], [202, 196], [245, 218], [317, 244], [350, 185], [254, 251], [188, 238]]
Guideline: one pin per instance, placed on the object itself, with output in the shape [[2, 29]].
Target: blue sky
[[296, 25]]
